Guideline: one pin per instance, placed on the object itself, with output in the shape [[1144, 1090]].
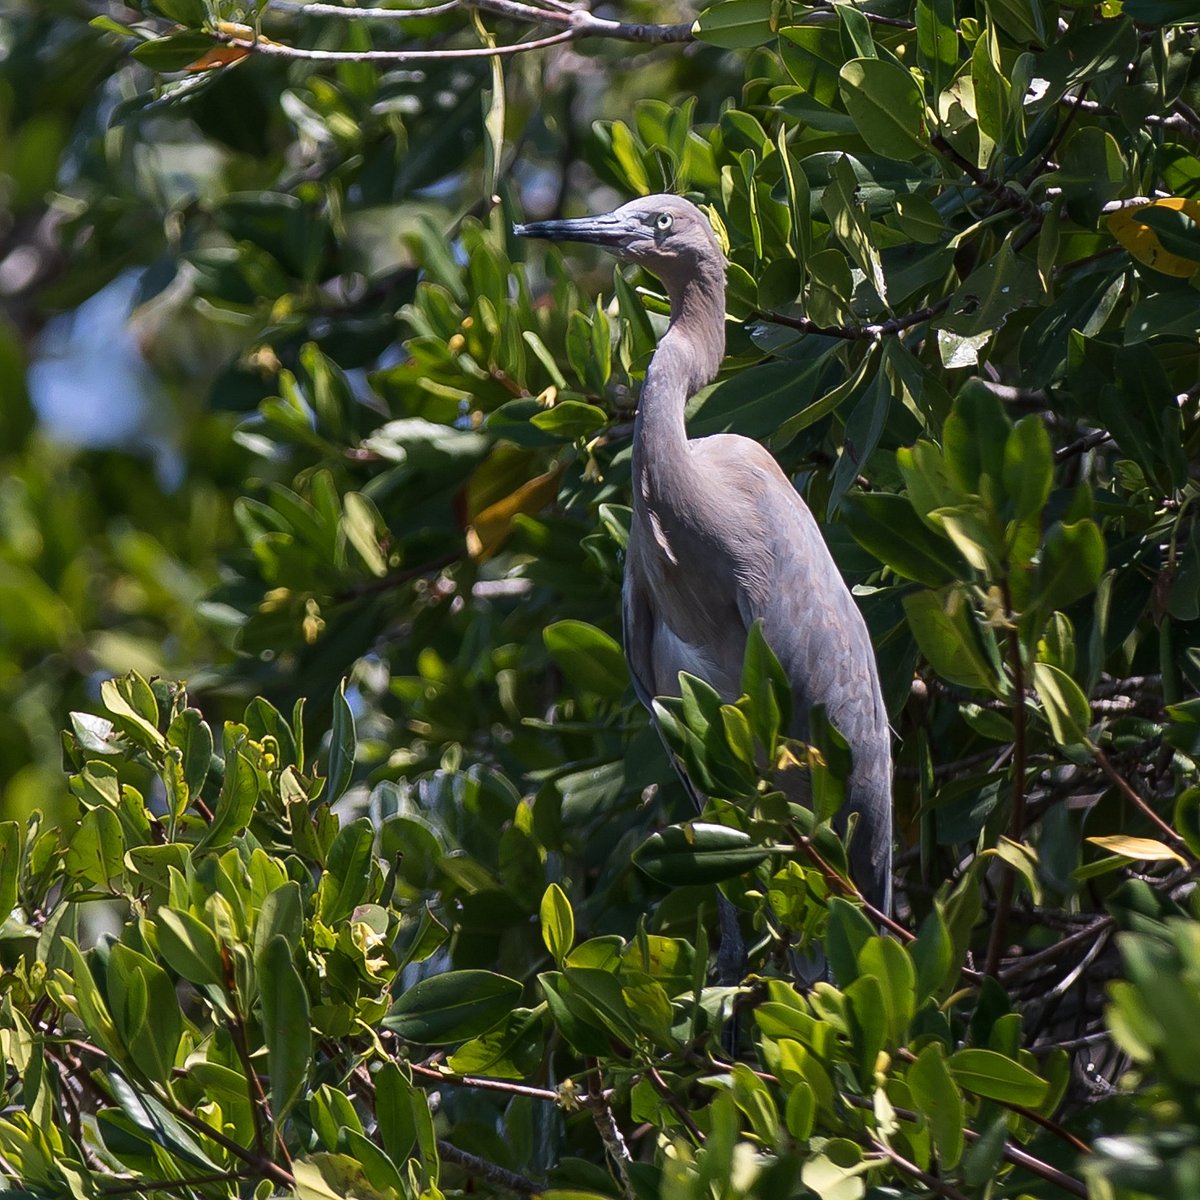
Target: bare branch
[[338, 10], [492, 1172], [280, 50]]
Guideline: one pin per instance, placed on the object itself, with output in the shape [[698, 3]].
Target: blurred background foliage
[[283, 403]]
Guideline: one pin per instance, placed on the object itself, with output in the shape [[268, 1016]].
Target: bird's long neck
[[687, 358]]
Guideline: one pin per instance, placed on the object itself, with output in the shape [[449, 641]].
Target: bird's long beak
[[607, 230]]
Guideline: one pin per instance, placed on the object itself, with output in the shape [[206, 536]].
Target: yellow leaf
[[1140, 239], [491, 527], [1136, 848]]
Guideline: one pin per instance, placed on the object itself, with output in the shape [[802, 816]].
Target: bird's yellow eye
[[664, 221]]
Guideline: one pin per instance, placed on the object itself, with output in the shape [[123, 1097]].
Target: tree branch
[[608, 1129], [492, 1172], [1002, 193]]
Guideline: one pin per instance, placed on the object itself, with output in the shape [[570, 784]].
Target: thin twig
[[661, 1086], [1126, 789], [932, 1182], [484, 1084], [1012, 1153], [280, 50], [1027, 962], [855, 333], [264, 1166], [1002, 193]]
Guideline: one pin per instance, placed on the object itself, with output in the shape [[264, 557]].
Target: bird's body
[[720, 538]]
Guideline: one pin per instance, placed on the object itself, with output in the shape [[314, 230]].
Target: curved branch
[[280, 50], [579, 23], [300, 8]]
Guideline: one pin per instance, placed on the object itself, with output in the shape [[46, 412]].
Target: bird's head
[[665, 234]]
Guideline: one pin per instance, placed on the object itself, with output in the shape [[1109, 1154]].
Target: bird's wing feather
[[788, 580]]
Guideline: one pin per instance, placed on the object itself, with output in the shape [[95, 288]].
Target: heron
[[720, 538]]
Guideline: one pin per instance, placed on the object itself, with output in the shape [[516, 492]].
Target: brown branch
[[1011, 1152], [932, 1182], [856, 333], [264, 1166], [1028, 962], [492, 1172], [608, 1129], [661, 1086], [1002, 193]]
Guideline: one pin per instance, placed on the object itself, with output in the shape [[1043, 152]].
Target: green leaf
[[96, 851], [364, 529], [325, 1176], [888, 526], [343, 746], [189, 734], [767, 686], [394, 1099], [1071, 564], [131, 700], [847, 933], [830, 402], [189, 947], [866, 1015], [939, 1102], [886, 106], [974, 437], [1187, 822], [186, 12], [235, 804], [347, 871], [558, 923], [11, 843], [145, 1011], [1028, 466], [994, 1077], [991, 87], [735, 24], [286, 1028], [569, 419], [933, 955], [452, 1007], [697, 852], [173, 53], [889, 962], [1066, 706], [986, 298], [937, 42], [589, 658], [946, 635]]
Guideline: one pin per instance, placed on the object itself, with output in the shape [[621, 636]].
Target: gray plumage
[[720, 537]]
